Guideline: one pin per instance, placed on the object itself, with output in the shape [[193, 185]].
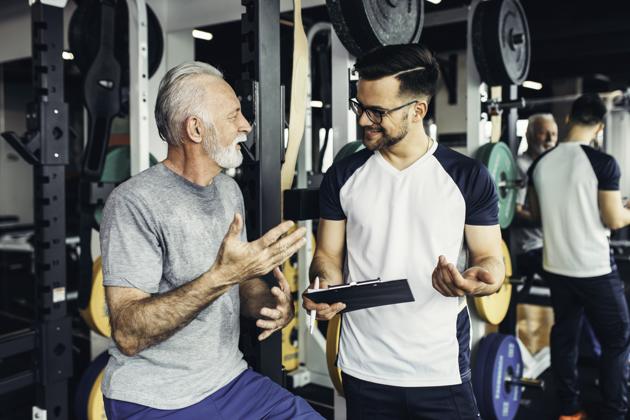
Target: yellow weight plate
[[96, 315], [290, 270], [290, 359], [96, 407], [493, 308], [332, 348]]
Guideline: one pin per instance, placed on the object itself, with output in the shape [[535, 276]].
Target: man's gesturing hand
[[277, 318], [239, 261], [449, 282]]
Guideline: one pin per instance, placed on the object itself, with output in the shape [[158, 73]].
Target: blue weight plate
[[501, 400], [479, 374], [86, 383]]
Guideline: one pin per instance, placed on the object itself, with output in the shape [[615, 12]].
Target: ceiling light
[[207, 36], [317, 104], [67, 55], [532, 85], [434, 1]]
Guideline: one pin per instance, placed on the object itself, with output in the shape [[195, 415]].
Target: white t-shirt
[[567, 180], [397, 225]]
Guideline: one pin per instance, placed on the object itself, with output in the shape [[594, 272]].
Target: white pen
[[313, 312]]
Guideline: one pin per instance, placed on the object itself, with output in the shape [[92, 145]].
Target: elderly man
[[402, 208], [179, 271], [574, 190], [541, 135]]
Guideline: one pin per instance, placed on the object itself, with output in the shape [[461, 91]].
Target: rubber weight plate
[[501, 42], [96, 315], [332, 348], [499, 356], [493, 308], [348, 149], [88, 402], [497, 157], [364, 24]]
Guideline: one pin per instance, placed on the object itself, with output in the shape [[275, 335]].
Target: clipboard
[[364, 294]]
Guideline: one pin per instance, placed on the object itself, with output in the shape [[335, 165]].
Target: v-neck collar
[[392, 170]]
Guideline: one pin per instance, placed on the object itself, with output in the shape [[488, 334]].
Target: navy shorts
[[371, 401], [250, 396]]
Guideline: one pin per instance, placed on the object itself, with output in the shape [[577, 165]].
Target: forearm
[[146, 322], [254, 295], [326, 268], [524, 219], [496, 268]]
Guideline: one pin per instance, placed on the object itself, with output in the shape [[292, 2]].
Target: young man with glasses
[[403, 208]]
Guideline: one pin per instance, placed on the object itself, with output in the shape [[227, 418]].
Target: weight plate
[[348, 149], [481, 361], [497, 157], [289, 342], [500, 357], [501, 42], [332, 348], [493, 308], [84, 36], [364, 24], [90, 380], [96, 406], [96, 315]]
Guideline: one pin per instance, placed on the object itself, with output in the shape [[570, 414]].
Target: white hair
[[179, 97], [531, 121]]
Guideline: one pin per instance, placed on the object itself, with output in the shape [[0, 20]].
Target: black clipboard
[[365, 294]]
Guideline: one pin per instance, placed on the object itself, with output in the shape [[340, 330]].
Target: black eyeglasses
[[374, 115]]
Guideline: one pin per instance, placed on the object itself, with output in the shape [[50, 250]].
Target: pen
[[313, 312]]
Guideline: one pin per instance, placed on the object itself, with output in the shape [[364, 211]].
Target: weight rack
[[45, 146]]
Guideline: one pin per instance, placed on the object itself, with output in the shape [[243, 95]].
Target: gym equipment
[[332, 348], [96, 315], [348, 149], [88, 402], [290, 359], [497, 381], [102, 53], [501, 42], [497, 157], [364, 24], [493, 308], [45, 146], [297, 111]]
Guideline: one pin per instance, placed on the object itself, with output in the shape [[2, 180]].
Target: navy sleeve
[[482, 201], [329, 201], [476, 185], [606, 169]]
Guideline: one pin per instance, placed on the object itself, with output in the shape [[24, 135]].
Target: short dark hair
[[413, 64], [588, 109]]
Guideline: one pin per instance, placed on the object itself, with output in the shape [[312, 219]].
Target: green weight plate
[[116, 169], [497, 157], [348, 149]]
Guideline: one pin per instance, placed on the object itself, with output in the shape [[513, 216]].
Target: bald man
[[178, 270]]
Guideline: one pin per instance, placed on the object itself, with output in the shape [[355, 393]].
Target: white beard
[[225, 157]]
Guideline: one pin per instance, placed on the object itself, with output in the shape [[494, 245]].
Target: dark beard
[[386, 140]]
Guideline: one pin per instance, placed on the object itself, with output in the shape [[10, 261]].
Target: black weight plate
[[365, 24], [86, 383], [84, 36], [501, 42], [341, 28]]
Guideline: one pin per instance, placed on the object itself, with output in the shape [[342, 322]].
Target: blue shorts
[[250, 396]]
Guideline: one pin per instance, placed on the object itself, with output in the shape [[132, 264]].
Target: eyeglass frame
[[377, 112]]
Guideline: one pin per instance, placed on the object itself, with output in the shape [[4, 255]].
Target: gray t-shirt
[[160, 231], [526, 238]]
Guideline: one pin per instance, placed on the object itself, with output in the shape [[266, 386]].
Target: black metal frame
[[45, 146], [260, 180]]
